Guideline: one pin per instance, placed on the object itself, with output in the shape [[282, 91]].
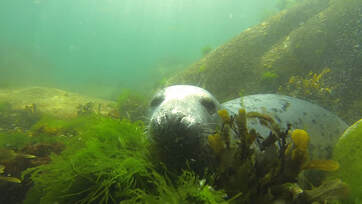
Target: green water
[[91, 45]]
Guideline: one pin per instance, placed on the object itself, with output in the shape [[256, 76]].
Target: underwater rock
[[348, 152], [309, 37], [55, 102]]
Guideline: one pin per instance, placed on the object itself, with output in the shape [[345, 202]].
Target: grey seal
[[182, 117]]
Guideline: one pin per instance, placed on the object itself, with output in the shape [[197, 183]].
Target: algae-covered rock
[[309, 37], [348, 152], [55, 102]]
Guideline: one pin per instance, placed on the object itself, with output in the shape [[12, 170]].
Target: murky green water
[[83, 45]]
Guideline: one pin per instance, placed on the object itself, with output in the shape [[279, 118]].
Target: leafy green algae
[[348, 153], [4, 106], [132, 105], [14, 140], [108, 161]]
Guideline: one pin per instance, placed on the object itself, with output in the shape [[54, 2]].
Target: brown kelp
[[270, 172]]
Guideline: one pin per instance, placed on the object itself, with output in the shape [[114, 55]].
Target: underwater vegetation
[[15, 119], [206, 50], [269, 78], [313, 86], [93, 161], [348, 153], [108, 161], [272, 176], [94, 158], [20, 148], [202, 68], [132, 105]]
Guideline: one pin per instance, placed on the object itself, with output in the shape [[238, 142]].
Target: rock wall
[[309, 37]]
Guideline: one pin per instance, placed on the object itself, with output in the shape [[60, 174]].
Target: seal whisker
[[209, 123], [206, 130]]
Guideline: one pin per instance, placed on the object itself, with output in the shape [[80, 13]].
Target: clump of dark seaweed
[[85, 109], [266, 170]]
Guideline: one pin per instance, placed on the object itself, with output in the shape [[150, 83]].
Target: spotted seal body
[[182, 117]]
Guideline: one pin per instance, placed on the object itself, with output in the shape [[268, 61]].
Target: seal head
[[182, 117]]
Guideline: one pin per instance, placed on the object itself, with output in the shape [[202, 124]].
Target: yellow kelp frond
[[260, 116], [242, 111], [265, 120], [300, 139], [10, 179], [216, 143], [224, 115], [324, 165]]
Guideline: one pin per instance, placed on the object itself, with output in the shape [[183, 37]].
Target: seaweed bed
[[99, 159], [88, 159]]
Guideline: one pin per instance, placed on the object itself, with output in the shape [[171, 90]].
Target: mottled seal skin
[[182, 117]]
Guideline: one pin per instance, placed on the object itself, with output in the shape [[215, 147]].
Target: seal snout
[[174, 127], [182, 116]]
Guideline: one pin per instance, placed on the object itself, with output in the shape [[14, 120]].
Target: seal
[[182, 117]]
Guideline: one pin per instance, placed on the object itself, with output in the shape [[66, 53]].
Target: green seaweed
[[106, 154], [131, 105], [348, 153], [5, 106], [108, 161], [269, 79], [268, 75], [202, 68], [206, 50], [188, 188], [18, 139], [14, 140]]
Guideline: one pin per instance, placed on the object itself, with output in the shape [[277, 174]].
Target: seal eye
[[157, 100], [209, 104]]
